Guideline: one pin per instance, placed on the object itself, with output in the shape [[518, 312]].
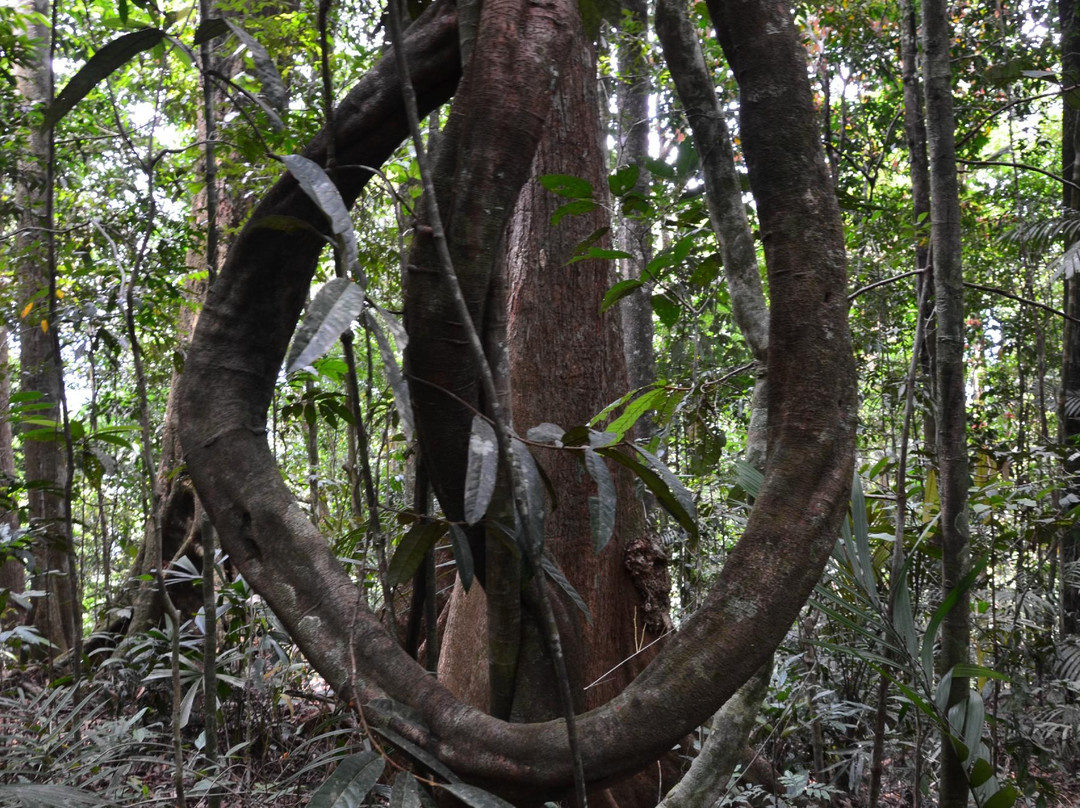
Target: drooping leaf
[[411, 550], [619, 291], [482, 469], [750, 479], [405, 792], [946, 605], [475, 797], [398, 386], [459, 543], [317, 184], [417, 754], [331, 312], [265, 70], [599, 253], [551, 569], [601, 506], [528, 473], [680, 491], [101, 65], [650, 399], [655, 483], [350, 783]]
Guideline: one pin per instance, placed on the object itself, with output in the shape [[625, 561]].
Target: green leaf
[[567, 186], [618, 292], [623, 180], [459, 543], [651, 399], [707, 271], [481, 471], [317, 184], [659, 168], [412, 548], [599, 254], [49, 796], [981, 772], [943, 609], [475, 797], [331, 312], [209, 29], [101, 65], [750, 479], [351, 781], [602, 506], [655, 483], [416, 753], [666, 309], [1004, 797], [575, 208]]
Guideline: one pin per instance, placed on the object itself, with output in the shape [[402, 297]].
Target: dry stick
[[502, 436], [178, 742]]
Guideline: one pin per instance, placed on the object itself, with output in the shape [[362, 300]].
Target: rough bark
[[951, 407], [243, 333], [1070, 373], [724, 748], [39, 363]]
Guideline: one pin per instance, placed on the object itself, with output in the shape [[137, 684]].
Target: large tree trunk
[[951, 407], [256, 302], [40, 366]]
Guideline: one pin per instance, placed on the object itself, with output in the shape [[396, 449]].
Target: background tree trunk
[[40, 364], [12, 572], [951, 405]]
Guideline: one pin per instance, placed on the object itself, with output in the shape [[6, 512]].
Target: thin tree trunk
[[1070, 373], [40, 363], [951, 408], [12, 571]]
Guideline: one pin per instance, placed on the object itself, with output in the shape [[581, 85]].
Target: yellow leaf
[[44, 326], [59, 294], [26, 311]]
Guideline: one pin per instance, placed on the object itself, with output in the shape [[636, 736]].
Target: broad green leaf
[[575, 208], [667, 310], [101, 65], [459, 543], [619, 291], [567, 186], [331, 312], [1005, 797], [601, 506], [650, 399], [482, 469], [317, 184], [398, 386], [351, 781], [681, 492], [412, 548], [599, 253], [660, 168], [859, 555], [946, 605], [554, 573], [209, 29], [405, 792], [623, 180], [981, 772], [904, 619]]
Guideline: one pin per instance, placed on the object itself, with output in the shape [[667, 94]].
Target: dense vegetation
[[123, 190]]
